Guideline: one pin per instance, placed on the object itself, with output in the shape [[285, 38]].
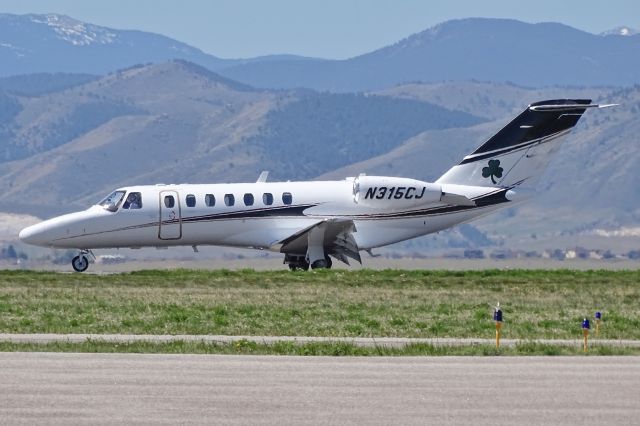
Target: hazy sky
[[322, 28]]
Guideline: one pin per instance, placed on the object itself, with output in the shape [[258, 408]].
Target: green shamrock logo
[[493, 169]]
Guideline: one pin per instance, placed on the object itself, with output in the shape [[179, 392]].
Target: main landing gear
[[296, 262], [80, 263], [317, 245]]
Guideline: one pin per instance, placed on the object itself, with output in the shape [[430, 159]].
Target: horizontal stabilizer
[[457, 200], [567, 107]]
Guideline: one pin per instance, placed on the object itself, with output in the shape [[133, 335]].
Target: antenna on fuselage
[[263, 177]]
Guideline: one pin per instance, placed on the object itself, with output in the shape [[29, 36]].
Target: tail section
[[520, 152]]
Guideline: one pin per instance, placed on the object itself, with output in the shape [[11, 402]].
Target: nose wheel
[[80, 263]]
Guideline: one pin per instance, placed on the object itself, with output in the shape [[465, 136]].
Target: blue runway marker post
[[598, 317], [585, 332], [497, 317]]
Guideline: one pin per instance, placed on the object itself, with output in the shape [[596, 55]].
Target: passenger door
[[170, 225]]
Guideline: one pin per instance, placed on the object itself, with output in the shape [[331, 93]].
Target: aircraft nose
[[34, 235]]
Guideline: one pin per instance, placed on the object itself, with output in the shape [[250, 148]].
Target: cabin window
[[191, 200], [210, 200], [248, 199], [169, 201], [287, 198], [267, 199], [229, 200], [133, 201], [111, 201]]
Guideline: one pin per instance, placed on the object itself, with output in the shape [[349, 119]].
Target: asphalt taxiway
[[66, 388]]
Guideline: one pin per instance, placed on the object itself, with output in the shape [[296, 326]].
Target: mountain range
[[200, 126], [54, 43], [498, 50]]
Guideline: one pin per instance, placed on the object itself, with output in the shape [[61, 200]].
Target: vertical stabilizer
[[520, 152]]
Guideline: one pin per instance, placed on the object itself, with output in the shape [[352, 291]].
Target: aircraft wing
[[338, 240]]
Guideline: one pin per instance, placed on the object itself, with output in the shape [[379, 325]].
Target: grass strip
[[537, 304], [245, 347]]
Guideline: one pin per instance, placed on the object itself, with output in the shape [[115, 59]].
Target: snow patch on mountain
[[76, 32], [620, 232], [621, 31]]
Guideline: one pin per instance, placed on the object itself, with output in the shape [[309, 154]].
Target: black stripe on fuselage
[[268, 212], [495, 197], [282, 211]]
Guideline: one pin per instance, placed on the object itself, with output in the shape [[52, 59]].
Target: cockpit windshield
[[112, 201]]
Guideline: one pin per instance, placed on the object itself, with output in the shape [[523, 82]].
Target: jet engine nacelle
[[382, 191]]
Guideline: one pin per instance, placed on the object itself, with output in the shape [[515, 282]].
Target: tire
[[329, 262], [80, 263], [319, 264], [304, 265]]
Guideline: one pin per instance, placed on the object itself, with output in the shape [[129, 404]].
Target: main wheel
[[80, 263], [320, 264], [302, 264]]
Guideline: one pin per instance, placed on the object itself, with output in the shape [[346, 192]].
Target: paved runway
[[68, 388], [395, 342]]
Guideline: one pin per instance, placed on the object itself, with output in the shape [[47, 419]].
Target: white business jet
[[311, 222]]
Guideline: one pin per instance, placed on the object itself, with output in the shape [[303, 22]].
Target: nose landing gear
[[80, 263]]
